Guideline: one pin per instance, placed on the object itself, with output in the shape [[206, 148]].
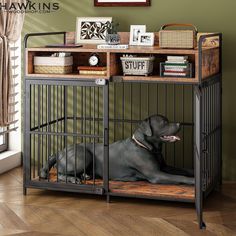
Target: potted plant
[[112, 37]]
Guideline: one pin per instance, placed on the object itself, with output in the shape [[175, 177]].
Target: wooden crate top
[[90, 48]]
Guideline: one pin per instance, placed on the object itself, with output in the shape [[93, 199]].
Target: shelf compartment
[[79, 59]]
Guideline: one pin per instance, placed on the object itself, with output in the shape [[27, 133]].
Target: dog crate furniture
[[62, 110]]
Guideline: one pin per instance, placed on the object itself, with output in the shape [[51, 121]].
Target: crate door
[[64, 132]]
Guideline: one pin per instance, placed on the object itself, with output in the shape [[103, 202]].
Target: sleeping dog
[[133, 159]]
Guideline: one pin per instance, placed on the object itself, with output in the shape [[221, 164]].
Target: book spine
[[177, 62], [84, 72], [176, 70], [175, 73], [177, 58], [185, 65], [112, 46]]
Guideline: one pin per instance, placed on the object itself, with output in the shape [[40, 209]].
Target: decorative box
[[53, 65], [137, 65]]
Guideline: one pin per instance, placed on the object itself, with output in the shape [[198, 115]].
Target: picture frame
[[146, 39], [135, 30], [121, 3], [91, 30]]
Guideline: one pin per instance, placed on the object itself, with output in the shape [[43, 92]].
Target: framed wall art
[[113, 3], [91, 30]]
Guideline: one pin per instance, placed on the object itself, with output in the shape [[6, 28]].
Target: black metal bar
[[131, 108], [62, 82], [34, 114], [62, 104], [114, 123], [57, 129], [94, 164], [42, 161], [27, 36], [220, 111], [39, 137], [53, 117], [123, 110], [198, 156], [134, 121], [49, 126], [183, 127], [106, 139], [65, 126], [174, 110], [85, 131], [27, 151], [75, 128]]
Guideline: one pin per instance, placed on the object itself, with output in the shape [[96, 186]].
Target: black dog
[[133, 159]]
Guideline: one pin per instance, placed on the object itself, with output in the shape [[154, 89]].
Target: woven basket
[[52, 69], [53, 65], [137, 65], [178, 38]]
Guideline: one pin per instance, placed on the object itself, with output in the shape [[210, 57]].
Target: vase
[[113, 39]]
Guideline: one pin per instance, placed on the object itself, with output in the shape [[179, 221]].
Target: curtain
[[11, 24]]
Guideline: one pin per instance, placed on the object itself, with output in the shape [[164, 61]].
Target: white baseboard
[[9, 160]]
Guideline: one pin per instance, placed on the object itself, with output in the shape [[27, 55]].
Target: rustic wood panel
[[210, 62], [142, 188], [155, 79]]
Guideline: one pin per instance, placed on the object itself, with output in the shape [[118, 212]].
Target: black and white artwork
[[146, 39], [135, 31], [92, 30]]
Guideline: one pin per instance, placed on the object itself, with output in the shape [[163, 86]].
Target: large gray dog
[[132, 159]]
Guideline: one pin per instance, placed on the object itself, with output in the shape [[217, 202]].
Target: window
[[3, 140], [14, 98]]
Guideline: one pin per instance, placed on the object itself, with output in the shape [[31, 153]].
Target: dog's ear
[[142, 131], [146, 128]]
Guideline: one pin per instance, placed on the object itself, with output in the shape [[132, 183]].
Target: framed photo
[[135, 31], [91, 30], [119, 3], [146, 39]]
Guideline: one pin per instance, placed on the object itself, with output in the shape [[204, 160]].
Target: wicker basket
[[53, 69], [137, 65], [178, 38], [53, 65]]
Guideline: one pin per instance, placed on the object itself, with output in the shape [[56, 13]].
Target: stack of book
[[177, 66], [92, 70]]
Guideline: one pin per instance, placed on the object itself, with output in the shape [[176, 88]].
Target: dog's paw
[[74, 180], [86, 177], [43, 173]]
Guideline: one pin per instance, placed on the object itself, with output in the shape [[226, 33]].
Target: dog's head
[[155, 130]]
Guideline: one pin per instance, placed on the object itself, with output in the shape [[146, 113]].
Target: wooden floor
[[43, 213]]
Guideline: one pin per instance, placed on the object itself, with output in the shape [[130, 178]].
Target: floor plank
[[51, 213]]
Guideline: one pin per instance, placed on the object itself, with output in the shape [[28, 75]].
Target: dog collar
[[139, 143]]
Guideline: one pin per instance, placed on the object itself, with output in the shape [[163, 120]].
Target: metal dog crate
[[62, 112]]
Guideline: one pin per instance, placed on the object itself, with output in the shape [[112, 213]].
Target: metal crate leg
[[198, 156], [24, 191], [108, 198]]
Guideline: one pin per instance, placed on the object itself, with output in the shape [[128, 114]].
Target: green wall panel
[[208, 15]]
